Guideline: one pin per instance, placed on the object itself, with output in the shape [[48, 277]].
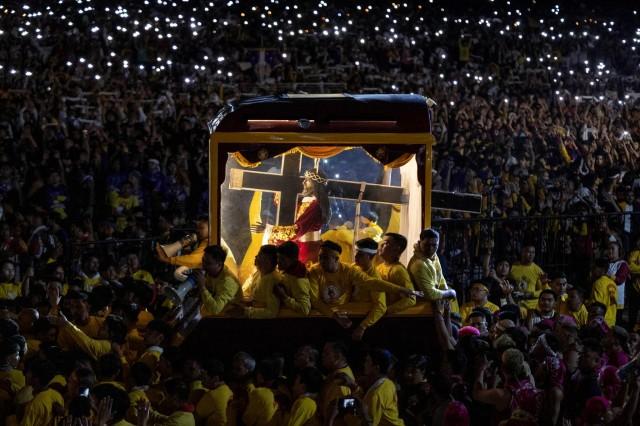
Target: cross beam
[[289, 184]]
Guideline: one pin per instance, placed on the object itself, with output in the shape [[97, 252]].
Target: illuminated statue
[[312, 213]]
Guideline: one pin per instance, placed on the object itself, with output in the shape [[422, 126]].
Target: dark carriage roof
[[326, 113]]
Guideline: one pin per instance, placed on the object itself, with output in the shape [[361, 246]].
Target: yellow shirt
[[378, 300], [381, 403], [427, 276], [634, 267], [581, 315], [259, 288], [16, 381], [298, 298], [604, 291], [9, 291], [220, 291], [92, 347], [90, 282], [373, 231], [303, 412], [397, 274], [531, 275], [261, 409], [344, 238], [332, 289], [179, 418], [332, 390], [212, 407], [468, 307], [143, 275], [40, 410]]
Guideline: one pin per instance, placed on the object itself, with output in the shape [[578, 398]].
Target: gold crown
[[310, 174]]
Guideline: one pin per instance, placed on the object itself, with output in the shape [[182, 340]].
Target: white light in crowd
[[187, 80], [82, 60], [97, 77], [506, 101], [28, 73], [69, 64]]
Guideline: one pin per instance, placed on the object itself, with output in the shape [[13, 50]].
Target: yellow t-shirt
[[143, 275], [261, 409], [298, 298], [9, 291], [16, 381], [468, 307], [40, 410], [397, 274], [378, 300], [332, 289], [304, 412], [604, 291], [220, 291], [212, 407], [332, 391], [531, 275], [259, 288], [344, 238], [381, 403], [581, 315]]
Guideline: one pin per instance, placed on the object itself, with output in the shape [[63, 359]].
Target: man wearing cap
[[425, 269], [293, 290], [479, 299], [332, 283], [366, 249], [313, 212], [391, 247]]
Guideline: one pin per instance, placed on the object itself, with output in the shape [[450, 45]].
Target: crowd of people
[[103, 121]]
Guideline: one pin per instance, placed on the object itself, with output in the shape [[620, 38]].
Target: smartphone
[[84, 392], [346, 404]]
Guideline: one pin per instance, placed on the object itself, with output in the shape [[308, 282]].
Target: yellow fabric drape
[[322, 152]]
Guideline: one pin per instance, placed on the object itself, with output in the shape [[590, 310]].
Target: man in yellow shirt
[[258, 290], [332, 283], [41, 410], [479, 299], [90, 274], [306, 386], [381, 399], [605, 291], [390, 250], [262, 407], [339, 377], [219, 287], [8, 288], [193, 260], [559, 285], [211, 409], [369, 227], [366, 250], [425, 269], [136, 272], [528, 278], [293, 290], [575, 307]]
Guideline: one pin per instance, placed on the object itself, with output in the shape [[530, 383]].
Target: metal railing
[[566, 243]]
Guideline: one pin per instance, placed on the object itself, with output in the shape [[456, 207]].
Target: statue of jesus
[[313, 211]]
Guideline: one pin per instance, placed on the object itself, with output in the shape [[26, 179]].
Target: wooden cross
[[289, 184]]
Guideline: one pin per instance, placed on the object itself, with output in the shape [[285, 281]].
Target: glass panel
[[271, 204]]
